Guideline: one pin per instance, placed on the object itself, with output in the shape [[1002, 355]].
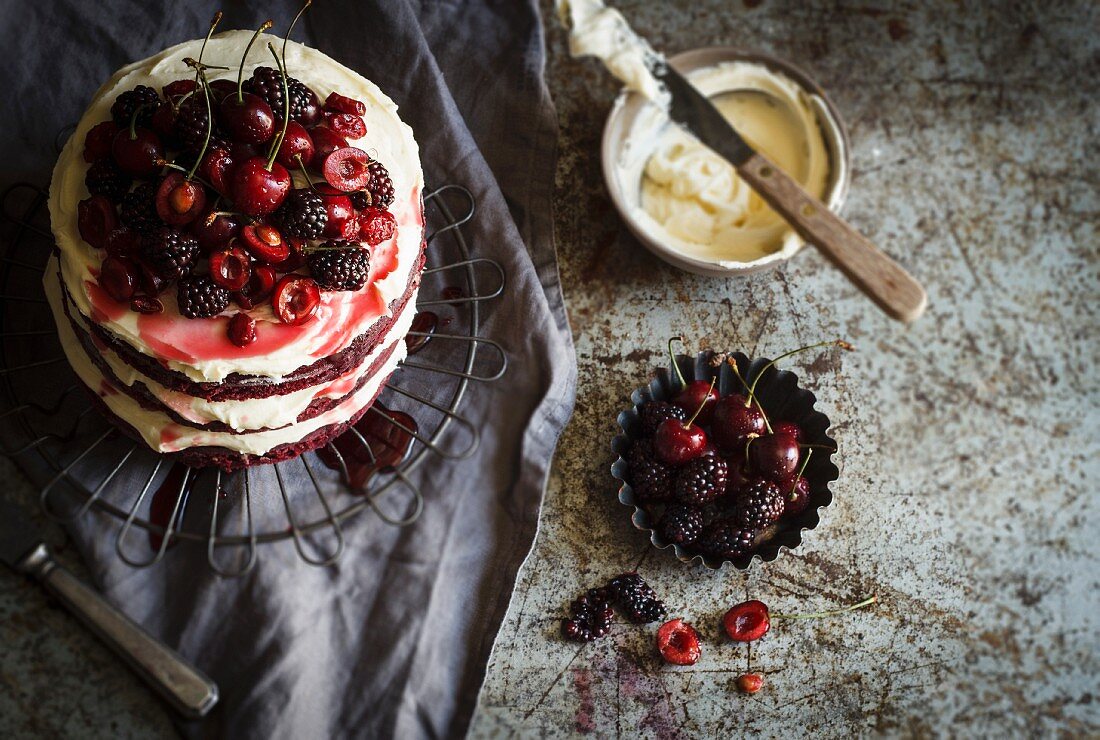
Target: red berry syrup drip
[[389, 444], [163, 503], [425, 322]]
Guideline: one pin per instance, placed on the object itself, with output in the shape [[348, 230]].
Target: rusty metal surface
[[969, 441]]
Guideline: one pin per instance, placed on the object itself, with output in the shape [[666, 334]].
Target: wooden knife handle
[[882, 279]]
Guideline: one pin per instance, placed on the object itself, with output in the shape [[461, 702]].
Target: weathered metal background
[[969, 441]]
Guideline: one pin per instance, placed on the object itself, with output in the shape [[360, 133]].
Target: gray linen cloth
[[393, 640]]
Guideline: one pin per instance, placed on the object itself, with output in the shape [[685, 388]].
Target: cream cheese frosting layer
[[253, 414], [164, 435], [199, 348]]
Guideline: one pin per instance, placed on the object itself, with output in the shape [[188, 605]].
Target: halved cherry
[[97, 142], [346, 169], [342, 222], [348, 125], [342, 104], [215, 230], [146, 305], [259, 286], [123, 242], [242, 330], [325, 142], [297, 143], [118, 277], [96, 219], [296, 299], [376, 225], [230, 267], [265, 243], [180, 201]]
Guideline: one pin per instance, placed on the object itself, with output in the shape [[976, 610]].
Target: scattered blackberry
[[380, 186], [122, 110], [701, 481], [759, 503], [591, 617], [302, 214], [105, 178], [650, 478], [267, 82], [654, 412], [200, 297], [681, 524], [726, 539], [170, 253], [339, 265], [636, 599], [139, 209]]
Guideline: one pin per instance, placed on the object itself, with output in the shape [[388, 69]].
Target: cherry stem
[[676, 365], [293, 23], [278, 142], [240, 72], [209, 125], [834, 342], [174, 166], [133, 121], [305, 173], [699, 410], [808, 446], [830, 613], [801, 470], [213, 215], [752, 396], [202, 50]]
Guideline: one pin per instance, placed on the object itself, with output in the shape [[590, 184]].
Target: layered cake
[[232, 290]]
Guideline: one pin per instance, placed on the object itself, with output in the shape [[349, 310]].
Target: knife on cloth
[[878, 276], [181, 684]]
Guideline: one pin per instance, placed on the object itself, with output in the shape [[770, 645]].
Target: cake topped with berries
[[238, 250]]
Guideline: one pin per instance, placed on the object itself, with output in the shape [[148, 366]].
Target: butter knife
[[181, 684]]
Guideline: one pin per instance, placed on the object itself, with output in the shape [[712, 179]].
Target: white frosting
[[251, 414], [163, 435], [340, 318], [602, 32]]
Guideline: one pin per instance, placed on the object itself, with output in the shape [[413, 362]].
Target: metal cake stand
[[49, 419]]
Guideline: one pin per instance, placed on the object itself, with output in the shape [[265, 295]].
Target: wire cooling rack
[[93, 466]]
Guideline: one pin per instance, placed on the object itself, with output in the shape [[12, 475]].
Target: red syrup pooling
[[164, 502], [425, 322], [389, 444]]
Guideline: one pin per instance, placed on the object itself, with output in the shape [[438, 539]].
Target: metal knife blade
[[692, 110], [18, 534]]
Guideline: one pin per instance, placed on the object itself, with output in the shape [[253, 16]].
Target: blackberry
[[650, 478], [725, 538], [190, 126], [636, 599], [591, 617], [200, 297], [339, 265], [759, 503], [105, 178], [302, 214], [681, 524], [360, 199], [122, 110], [701, 481], [380, 185], [139, 209], [267, 82], [170, 253], [654, 412]]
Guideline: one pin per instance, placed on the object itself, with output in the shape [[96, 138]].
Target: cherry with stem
[[694, 394], [676, 442]]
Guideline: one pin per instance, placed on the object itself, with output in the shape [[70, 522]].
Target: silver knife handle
[[181, 684]]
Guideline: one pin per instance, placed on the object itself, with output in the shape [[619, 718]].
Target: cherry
[[774, 456], [215, 230], [297, 146], [750, 683], [676, 442], [346, 169], [789, 427], [678, 643], [138, 151], [696, 394], [98, 140], [247, 118], [265, 243], [342, 222], [230, 268], [177, 89], [242, 330], [217, 167], [296, 299], [96, 219], [796, 489], [123, 242], [151, 283], [325, 142], [340, 104], [118, 277], [747, 621], [146, 305], [259, 287], [180, 200], [221, 89], [348, 125], [735, 420]]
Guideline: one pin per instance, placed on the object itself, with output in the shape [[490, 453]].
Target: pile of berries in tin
[[715, 472], [191, 189]]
